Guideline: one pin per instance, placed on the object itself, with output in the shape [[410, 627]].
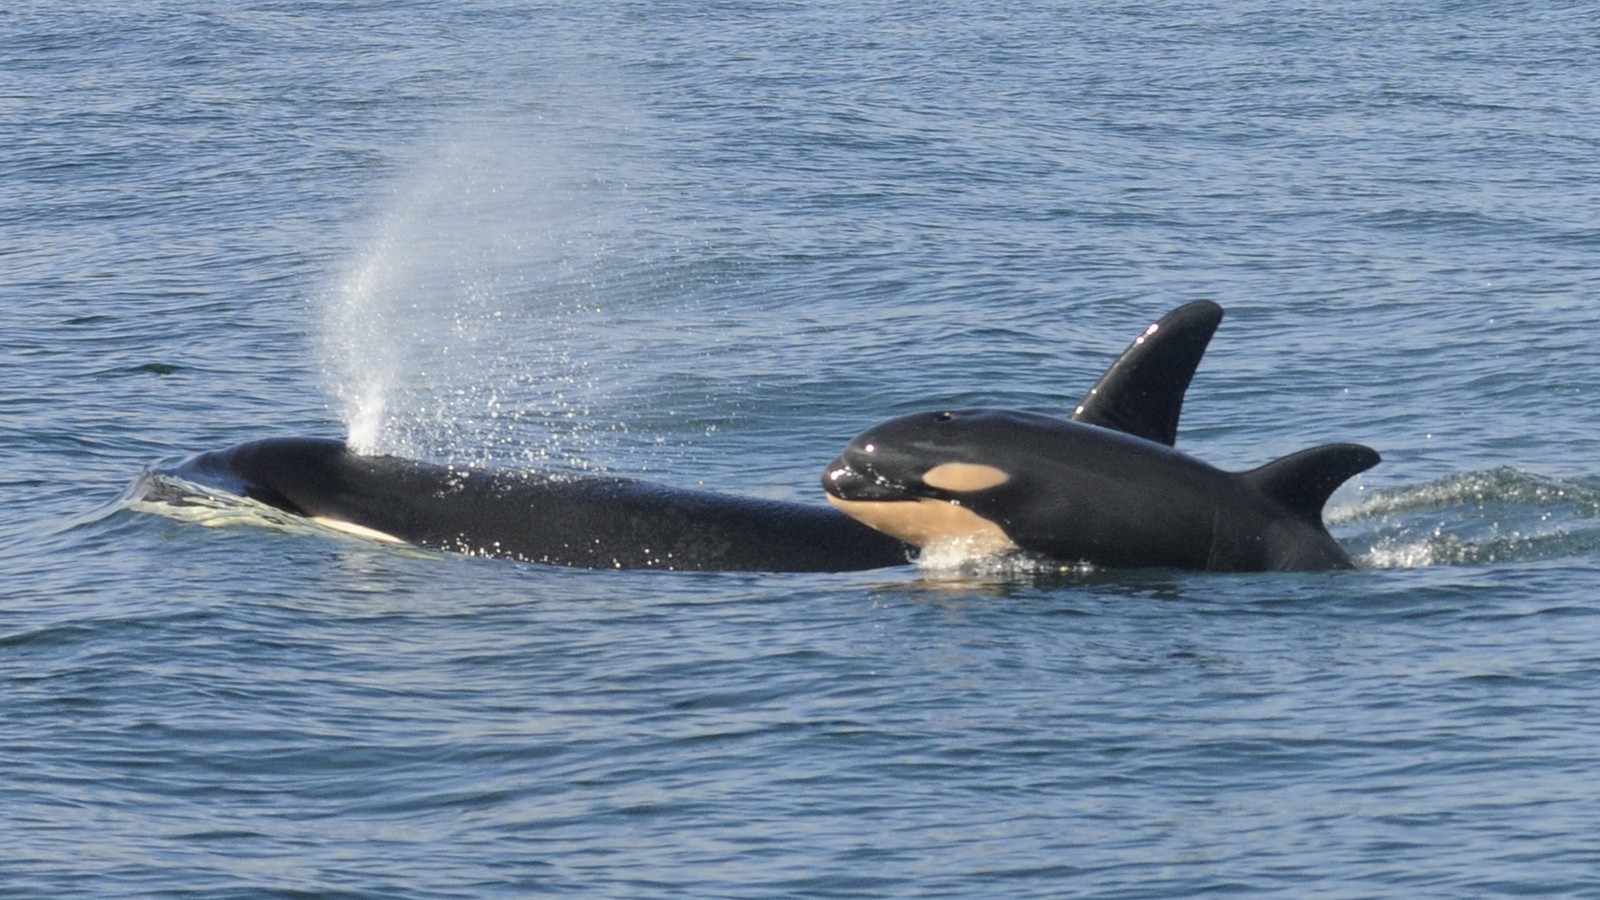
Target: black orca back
[[546, 517]]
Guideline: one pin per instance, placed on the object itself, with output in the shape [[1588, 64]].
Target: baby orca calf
[[1106, 488]]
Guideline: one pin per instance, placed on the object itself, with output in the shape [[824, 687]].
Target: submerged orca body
[[1106, 488], [553, 518]]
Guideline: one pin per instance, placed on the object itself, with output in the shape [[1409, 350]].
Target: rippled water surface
[[705, 245]]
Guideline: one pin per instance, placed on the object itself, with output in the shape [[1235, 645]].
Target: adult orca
[[545, 517], [1106, 488], [610, 522]]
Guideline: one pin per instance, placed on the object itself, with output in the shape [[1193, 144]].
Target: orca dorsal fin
[[1302, 482], [1142, 393]]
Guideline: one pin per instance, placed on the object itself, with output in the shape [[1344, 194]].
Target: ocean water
[[705, 244]]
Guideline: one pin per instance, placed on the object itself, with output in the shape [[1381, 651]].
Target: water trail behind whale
[[1494, 516]]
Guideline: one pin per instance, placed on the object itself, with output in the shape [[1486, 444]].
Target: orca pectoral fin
[[1142, 393], [1302, 482]]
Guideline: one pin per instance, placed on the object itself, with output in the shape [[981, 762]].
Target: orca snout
[[847, 481]]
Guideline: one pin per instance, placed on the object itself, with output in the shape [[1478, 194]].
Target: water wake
[[1494, 516]]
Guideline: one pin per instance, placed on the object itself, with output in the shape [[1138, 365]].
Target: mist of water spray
[[363, 365], [467, 291]]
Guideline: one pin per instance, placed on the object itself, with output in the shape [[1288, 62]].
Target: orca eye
[[942, 417]]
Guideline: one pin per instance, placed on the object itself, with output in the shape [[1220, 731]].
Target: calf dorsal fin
[[1142, 393]]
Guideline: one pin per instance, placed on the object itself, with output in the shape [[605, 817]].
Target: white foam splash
[[976, 558], [1492, 516]]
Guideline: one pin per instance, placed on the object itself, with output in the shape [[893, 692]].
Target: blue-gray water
[[706, 243]]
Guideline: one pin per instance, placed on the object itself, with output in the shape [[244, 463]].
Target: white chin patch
[[372, 534], [926, 521]]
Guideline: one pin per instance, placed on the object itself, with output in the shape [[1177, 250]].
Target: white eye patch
[[964, 477]]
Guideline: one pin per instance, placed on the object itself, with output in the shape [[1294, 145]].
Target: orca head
[[291, 474], [317, 478], [928, 478]]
